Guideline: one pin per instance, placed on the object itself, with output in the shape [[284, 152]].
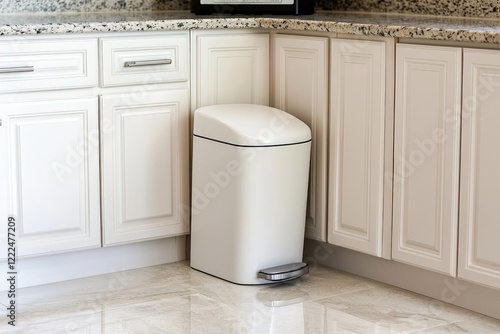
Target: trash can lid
[[249, 125]]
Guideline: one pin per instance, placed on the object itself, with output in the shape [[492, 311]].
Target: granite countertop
[[370, 24]]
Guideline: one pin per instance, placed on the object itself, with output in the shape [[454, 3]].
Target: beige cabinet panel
[[301, 89], [230, 68], [479, 247], [357, 145], [427, 153]]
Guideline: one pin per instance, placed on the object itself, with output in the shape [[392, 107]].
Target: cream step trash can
[[249, 193]]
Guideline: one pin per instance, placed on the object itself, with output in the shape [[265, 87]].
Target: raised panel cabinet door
[[357, 132], [479, 246], [427, 153], [301, 86], [145, 168], [49, 173], [231, 68]]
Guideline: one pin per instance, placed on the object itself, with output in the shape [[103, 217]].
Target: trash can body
[[249, 194]]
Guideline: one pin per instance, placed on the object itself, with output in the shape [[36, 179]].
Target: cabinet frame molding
[[438, 69], [306, 99], [479, 228], [345, 228], [209, 80]]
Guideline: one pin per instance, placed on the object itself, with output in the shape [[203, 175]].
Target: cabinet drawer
[[144, 60], [28, 65]]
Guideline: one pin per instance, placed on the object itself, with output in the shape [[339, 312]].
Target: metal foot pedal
[[284, 272]]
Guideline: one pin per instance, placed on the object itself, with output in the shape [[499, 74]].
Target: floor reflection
[[173, 298]]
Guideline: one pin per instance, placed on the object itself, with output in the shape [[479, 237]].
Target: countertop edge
[[465, 34], [130, 26], [444, 29]]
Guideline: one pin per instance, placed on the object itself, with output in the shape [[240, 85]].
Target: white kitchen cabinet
[[28, 65], [229, 67], [50, 158], [52, 173], [145, 137], [49, 174], [150, 59], [479, 247], [301, 89], [427, 153], [145, 152], [357, 144]]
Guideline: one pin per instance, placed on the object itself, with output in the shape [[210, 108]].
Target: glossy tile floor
[[173, 298]]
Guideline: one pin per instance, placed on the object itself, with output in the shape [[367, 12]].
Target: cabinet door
[[231, 68], [301, 81], [145, 168], [356, 192], [49, 172], [427, 148], [479, 247]]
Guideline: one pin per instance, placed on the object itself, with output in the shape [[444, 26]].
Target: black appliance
[[281, 7]]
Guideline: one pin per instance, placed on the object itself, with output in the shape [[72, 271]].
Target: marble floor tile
[[84, 323], [321, 282], [181, 314], [479, 325], [396, 309], [89, 295], [174, 298]]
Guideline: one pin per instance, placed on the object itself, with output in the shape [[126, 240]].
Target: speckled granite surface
[[458, 8], [37, 6], [412, 26], [23, 24], [392, 25]]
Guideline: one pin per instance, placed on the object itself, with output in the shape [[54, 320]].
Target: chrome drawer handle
[[17, 69], [135, 63]]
